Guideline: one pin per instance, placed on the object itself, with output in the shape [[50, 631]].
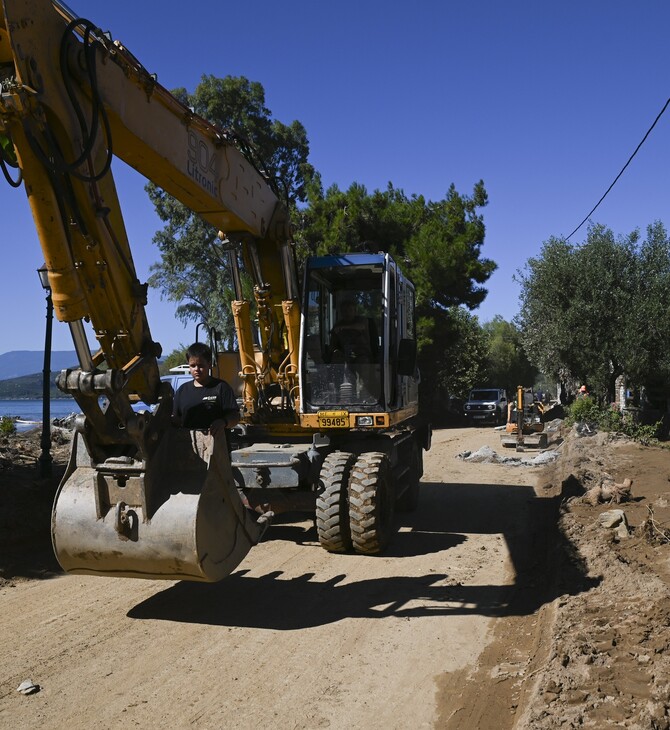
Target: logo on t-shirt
[[208, 397]]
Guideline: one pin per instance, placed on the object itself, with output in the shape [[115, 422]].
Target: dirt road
[[441, 630]]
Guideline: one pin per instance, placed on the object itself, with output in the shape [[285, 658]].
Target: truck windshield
[[483, 395]]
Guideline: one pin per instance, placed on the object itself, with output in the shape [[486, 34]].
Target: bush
[[584, 409], [610, 418], [644, 433], [7, 426]]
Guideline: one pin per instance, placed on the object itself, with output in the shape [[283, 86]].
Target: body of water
[[31, 410]]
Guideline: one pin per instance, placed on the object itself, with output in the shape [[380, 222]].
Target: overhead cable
[[660, 114]]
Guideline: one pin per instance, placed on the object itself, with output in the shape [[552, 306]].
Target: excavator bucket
[[178, 518]]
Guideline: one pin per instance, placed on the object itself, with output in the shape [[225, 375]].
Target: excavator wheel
[[332, 513], [371, 503], [409, 499]]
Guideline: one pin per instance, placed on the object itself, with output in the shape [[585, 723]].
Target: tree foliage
[[437, 243], [452, 358], [595, 311], [440, 241], [174, 359], [507, 364], [237, 104], [192, 271]]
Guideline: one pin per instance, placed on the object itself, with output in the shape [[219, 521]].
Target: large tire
[[371, 503], [332, 509], [409, 499]]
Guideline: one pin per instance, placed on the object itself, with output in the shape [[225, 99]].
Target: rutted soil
[[501, 603], [608, 662]]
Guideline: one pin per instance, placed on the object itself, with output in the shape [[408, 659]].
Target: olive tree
[[595, 311]]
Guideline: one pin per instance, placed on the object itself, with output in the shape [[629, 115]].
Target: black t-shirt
[[199, 407]]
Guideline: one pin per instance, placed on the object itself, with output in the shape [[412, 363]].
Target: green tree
[[452, 359], [438, 244], [193, 272], [174, 359], [441, 241], [647, 326], [595, 311], [445, 252], [507, 365], [237, 104]]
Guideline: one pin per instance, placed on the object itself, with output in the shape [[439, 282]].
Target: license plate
[[333, 419]]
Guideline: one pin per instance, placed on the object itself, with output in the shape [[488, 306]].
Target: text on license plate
[[333, 419]]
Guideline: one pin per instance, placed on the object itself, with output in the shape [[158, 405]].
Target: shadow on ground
[[544, 562], [25, 522]]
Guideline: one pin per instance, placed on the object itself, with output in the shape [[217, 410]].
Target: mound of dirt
[[608, 664]]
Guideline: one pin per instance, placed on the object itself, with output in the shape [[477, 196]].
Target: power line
[[660, 114]]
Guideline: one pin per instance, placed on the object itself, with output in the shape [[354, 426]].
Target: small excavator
[[525, 422], [320, 431]]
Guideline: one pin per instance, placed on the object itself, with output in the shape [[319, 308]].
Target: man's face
[[199, 368]]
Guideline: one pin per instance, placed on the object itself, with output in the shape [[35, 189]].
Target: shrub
[[644, 433], [7, 426], [584, 409], [610, 418]]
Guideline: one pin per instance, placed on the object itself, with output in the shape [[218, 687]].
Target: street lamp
[[45, 459]]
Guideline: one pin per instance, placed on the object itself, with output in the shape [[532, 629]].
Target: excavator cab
[[358, 335]]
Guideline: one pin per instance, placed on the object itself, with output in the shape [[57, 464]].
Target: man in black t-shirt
[[206, 403]]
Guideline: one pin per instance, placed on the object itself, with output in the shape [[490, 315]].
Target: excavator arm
[[72, 99]]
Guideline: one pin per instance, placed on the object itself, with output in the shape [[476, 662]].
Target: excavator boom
[[139, 498]]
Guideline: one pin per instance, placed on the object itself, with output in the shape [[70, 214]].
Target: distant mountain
[[17, 363], [28, 387]]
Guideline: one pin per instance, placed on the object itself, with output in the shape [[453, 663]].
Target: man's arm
[[232, 418], [231, 411], [177, 407]]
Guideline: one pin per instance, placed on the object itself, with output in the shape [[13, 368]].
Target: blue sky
[[543, 101]]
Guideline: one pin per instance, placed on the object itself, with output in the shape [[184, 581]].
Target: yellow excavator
[[525, 421], [323, 429]]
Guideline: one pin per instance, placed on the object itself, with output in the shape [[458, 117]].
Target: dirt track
[[451, 628]]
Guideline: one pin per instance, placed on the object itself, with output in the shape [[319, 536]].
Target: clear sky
[[543, 101]]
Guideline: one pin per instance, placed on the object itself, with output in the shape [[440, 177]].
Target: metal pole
[[45, 460]]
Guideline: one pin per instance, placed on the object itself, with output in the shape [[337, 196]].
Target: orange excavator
[[525, 421]]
